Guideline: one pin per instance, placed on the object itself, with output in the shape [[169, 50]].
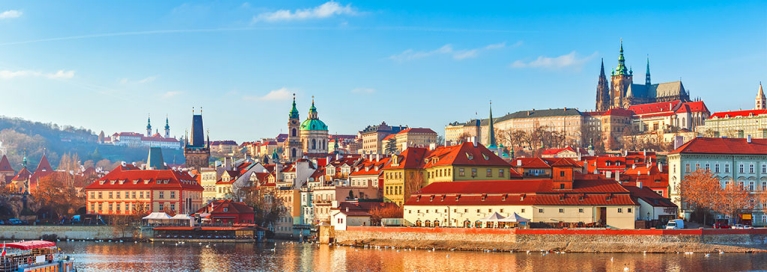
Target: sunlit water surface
[[287, 256]]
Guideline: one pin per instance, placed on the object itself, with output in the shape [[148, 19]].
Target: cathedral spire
[[167, 127], [491, 138], [603, 90], [621, 69], [148, 126], [761, 100], [647, 73]]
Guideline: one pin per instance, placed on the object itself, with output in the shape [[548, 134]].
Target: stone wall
[[62, 232], [572, 240]]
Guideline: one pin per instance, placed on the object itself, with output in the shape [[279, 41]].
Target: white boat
[[32, 256]]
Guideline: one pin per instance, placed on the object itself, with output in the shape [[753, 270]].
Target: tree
[[733, 199], [268, 208], [391, 146], [385, 211], [413, 183], [700, 189], [55, 192]]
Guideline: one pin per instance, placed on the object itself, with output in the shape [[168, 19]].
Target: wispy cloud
[[140, 81], [571, 60], [447, 49], [325, 10], [171, 94], [10, 14], [274, 95], [363, 90], [60, 74]]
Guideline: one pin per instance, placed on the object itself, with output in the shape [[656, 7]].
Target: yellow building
[[415, 137]]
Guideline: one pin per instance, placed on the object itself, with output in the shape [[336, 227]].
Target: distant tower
[[292, 145], [647, 74], [491, 143], [148, 126], [761, 100], [621, 79], [196, 150], [167, 127], [603, 91], [314, 133]]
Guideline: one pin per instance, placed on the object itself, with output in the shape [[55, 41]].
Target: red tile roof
[[740, 113], [411, 158], [731, 146], [23, 175], [650, 197], [120, 179], [463, 154], [657, 107], [5, 165], [217, 206], [530, 163], [44, 165], [695, 106]]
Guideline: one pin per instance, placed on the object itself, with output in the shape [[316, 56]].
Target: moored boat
[[33, 256]]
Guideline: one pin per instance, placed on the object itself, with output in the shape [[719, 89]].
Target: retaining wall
[[62, 232], [575, 240]]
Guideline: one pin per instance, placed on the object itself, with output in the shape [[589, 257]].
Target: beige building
[[208, 182], [372, 137], [415, 137]]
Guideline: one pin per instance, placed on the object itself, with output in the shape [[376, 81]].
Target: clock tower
[[293, 150]]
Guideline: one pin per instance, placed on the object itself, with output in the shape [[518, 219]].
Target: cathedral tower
[[167, 127], [622, 77], [293, 149], [148, 126], [603, 91], [761, 100], [196, 149]]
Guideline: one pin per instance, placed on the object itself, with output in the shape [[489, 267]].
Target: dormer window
[[431, 198], [484, 196], [135, 181], [562, 197], [146, 181], [101, 182], [469, 156], [122, 181], [457, 197], [112, 182], [485, 156]]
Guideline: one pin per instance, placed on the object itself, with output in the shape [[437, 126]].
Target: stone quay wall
[[571, 240], [25, 232]]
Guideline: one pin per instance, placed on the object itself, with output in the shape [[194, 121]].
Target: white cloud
[[10, 14], [364, 90], [279, 94], [171, 94], [447, 49], [570, 60], [60, 74], [325, 10]]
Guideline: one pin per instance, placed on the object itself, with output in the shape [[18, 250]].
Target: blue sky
[[105, 65]]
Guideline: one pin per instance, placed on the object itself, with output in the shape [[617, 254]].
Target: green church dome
[[314, 125]]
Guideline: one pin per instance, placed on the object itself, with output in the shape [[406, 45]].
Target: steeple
[[167, 127], [491, 138], [647, 73], [621, 69], [294, 111], [313, 110], [761, 100], [335, 146], [603, 90], [148, 126]]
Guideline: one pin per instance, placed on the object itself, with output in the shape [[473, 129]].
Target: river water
[[286, 256]]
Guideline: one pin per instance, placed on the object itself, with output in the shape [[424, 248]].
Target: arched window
[[293, 153], [314, 144], [427, 224], [293, 132]]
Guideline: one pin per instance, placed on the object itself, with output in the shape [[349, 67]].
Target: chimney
[[660, 167], [338, 156], [617, 176], [432, 146], [404, 146], [378, 157], [519, 163], [748, 138], [474, 141], [608, 174], [639, 184]]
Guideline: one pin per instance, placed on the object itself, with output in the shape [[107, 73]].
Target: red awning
[[31, 245]]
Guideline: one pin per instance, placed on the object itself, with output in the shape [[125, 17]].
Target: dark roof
[[44, 165], [5, 165], [197, 138]]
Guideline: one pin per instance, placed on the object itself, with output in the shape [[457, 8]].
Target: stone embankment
[[20, 232], [569, 240]]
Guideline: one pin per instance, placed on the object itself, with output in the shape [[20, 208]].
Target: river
[[287, 256]]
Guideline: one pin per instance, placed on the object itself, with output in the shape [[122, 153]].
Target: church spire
[[761, 100], [313, 110], [294, 111], [148, 126], [621, 69], [647, 73], [491, 138], [167, 127], [603, 90]]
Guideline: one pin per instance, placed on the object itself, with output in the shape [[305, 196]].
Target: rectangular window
[[162, 194], [173, 195], [540, 210], [118, 195], [561, 210], [751, 168], [620, 210], [673, 167], [687, 168], [100, 207], [141, 194], [751, 186], [580, 210], [133, 195], [523, 211], [118, 207], [461, 172], [502, 174], [173, 207], [629, 210], [501, 210], [708, 168], [474, 172], [110, 207], [740, 169], [716, 168], [727, 168], [764, 168], [489, 173], [100, 195], [92, 194], [161, 207], [110, 195], [764, 186], [93, 207]]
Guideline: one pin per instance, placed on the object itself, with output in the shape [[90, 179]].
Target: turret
[[148, 126], [647, 73], [761, 100], [621, 69], [167, 127]]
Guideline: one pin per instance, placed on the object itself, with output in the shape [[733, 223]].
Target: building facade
[[196, 147]]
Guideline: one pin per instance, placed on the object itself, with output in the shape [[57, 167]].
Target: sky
[[107, 65]]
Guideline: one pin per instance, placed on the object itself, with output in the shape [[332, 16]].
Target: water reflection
[[283, 256]]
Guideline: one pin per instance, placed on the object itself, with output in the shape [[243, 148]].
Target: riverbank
[[63, 232], [567, 240]]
